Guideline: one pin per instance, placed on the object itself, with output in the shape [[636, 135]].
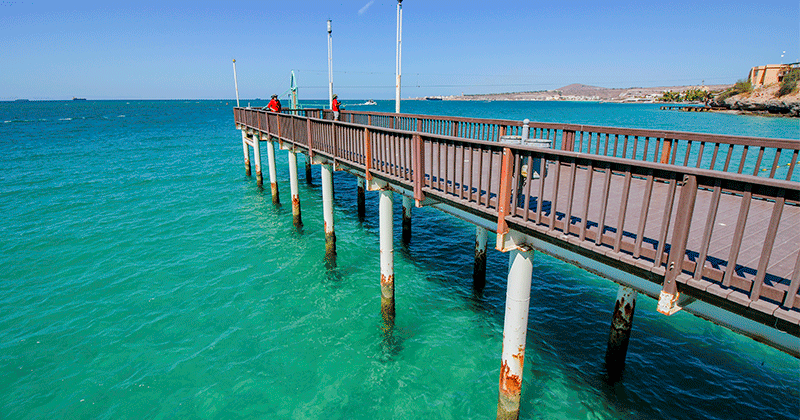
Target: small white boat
[[370, 102]]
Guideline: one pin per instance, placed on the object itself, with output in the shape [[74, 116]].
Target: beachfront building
[[769, 74]]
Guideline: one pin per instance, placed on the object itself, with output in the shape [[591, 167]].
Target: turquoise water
[[144, 276]]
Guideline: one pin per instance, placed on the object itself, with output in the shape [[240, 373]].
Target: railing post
[[667, 302], [666, 151], [419, 169], [568, 140], [504, 196], [367, 154], [309, 177]]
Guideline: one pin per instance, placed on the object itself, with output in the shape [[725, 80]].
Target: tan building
[[769, 74]]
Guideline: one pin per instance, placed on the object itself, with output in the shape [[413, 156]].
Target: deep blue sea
[[144, 276]]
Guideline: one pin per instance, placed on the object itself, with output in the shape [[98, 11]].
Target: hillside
[[581, 92]]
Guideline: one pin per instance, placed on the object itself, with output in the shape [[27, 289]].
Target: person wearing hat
[[335, 107], [275, 104]]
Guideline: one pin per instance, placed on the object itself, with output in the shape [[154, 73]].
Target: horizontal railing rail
[[763, 157], [730, 235]]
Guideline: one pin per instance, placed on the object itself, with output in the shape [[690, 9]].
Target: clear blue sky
[[183, 50]]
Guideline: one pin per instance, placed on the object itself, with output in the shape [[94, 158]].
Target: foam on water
[[146, 277]]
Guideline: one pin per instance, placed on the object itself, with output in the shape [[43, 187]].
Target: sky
[[184, 50]]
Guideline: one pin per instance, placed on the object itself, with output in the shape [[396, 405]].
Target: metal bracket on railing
[[512, 240]]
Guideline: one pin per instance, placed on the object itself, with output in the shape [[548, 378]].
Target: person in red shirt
[[275, 104], [335, 107]]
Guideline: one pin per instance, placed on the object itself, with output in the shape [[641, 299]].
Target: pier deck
[[701, 217]]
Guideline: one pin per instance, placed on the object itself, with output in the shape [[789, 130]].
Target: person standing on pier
[[335, 107], [274, 104]]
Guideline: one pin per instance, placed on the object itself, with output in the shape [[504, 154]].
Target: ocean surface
[[144, 276]]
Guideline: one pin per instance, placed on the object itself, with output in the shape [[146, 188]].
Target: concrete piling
[[361, 199], [479, 268], [326, 176], [620, 333], [387, 259], [309, 177], [257, 158], [293, 185], [408, 203], [273, 173], [246, 154], [515, 328]]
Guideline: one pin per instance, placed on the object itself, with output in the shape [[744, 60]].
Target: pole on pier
[[330, 67], [479, 269], [235, 83], [309, 177], [246, 154], [387, 259], [257, 158], [276, 199], [326, 175], [515, 328], [620, 333], [296, 217], [398, 55], [361, 199], [408, 204]]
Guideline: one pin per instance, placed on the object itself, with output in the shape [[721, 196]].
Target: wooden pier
[[687, 108], [705, 223]]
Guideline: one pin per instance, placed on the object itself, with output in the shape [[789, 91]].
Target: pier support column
[[326, 176], [257, 159], [309, 178], [620, 333], [387, 259], [361, 199], [295, 190], [479, 269], [276, 199], [515, 328], [246, 154], [408, 203]]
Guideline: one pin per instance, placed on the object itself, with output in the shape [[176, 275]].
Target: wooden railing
[[763, 157], [728, 235]]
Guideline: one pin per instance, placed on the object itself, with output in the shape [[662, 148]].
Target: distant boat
[[75, 98], [22, 100], [370, 102], [432, 98]]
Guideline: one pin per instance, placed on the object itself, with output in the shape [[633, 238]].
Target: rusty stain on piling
[[510, 384], [275, 196], [387, 300], [296, 216]]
